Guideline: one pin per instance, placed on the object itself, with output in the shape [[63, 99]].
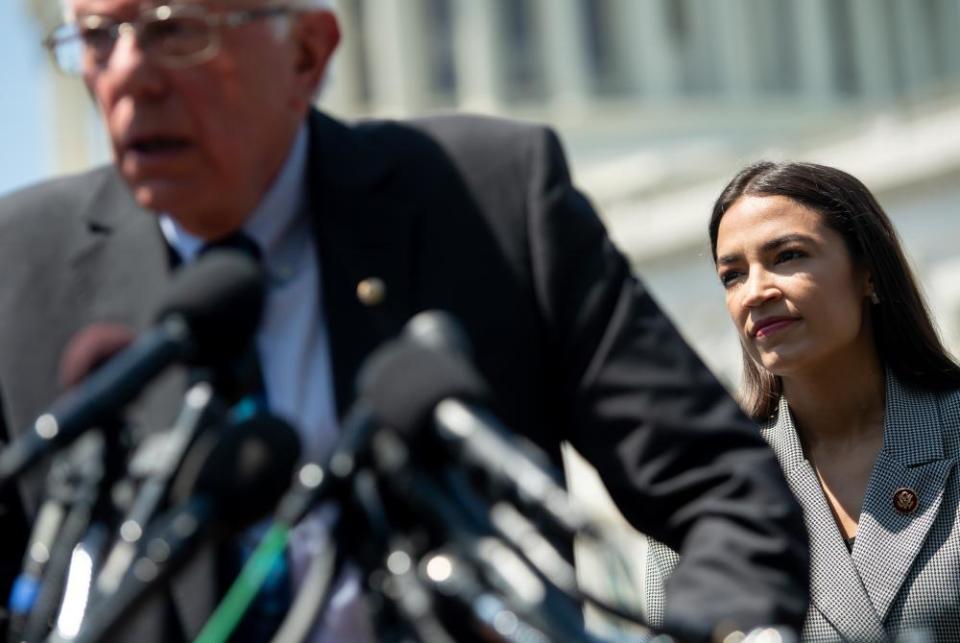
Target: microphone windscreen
[[91, 348], [220, 297], [439, 330], [403, 382], [244, 469]]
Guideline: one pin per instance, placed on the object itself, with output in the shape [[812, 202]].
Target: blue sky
[[26, 153]]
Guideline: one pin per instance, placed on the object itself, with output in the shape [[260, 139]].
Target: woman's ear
[[870, 291]]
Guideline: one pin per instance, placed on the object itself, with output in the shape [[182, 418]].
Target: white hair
[[282, 24]]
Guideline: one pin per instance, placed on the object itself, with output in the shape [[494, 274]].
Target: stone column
[[75, 147], [565, 60], [644, 47], [736, 46], [815, 50], [915, 41], [872, 50], [396, 45], [948, 22], [479, 56], [70, 115], [342, 91]]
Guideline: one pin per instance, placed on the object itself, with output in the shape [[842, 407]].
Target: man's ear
[[316, 35]]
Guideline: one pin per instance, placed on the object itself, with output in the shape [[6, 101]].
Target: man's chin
[[162, 198], [210, 218]]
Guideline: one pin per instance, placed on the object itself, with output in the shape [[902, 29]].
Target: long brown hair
[[906, 340]]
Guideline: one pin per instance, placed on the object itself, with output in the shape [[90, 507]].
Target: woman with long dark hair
[[854, 391]]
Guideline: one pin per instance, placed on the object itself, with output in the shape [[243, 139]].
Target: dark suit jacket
[[478, 217]]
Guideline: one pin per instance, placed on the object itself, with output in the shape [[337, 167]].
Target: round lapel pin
[[905, 500], [371, 291]]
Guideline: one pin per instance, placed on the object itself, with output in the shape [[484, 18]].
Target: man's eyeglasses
[[173, 35]]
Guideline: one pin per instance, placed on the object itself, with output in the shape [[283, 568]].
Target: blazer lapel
[[836, 588], [121, 265], [912, 458], [364, 233]]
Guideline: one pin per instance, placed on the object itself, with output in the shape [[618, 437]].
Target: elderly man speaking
[[208, 107]]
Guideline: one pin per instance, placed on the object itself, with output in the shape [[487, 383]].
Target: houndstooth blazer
[[904, 571]]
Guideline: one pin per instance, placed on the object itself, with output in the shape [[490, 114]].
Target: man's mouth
[[158, 145]]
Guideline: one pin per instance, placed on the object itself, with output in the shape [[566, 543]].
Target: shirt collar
[[270, 223]]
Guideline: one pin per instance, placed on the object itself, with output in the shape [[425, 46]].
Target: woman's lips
[[769, 328]]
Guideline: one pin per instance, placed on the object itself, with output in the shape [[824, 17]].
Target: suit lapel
[[836, 588], [888, 539], [120, 267], [364, 232]]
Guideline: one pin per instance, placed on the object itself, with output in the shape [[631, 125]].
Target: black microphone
[[211, 310], [86, 351], [47, 529], [391, 392], [238, 481], [439, 330], [73, 496], [413, 383], [316, 482], [157, 460], [435, 367]]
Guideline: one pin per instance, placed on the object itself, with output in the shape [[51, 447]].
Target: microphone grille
[[404, 381], [244, 468], [220, 297]]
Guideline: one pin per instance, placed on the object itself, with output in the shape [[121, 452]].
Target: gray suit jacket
[[904, 571], [477, 217]]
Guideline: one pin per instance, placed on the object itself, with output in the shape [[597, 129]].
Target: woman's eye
[[728, 277], [787, 255]]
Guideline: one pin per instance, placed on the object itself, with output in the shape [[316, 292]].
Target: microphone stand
[[515, 470], [537, 596], [412, 597], [473, 537], [524, 603], [91, 466], [311, 600], [156, 461], [43, 559]]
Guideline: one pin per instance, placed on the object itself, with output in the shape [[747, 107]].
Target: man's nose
[[129, 67], [760, 288], [126, 52]]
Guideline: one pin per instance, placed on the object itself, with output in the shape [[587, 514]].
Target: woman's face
[[796, 298]]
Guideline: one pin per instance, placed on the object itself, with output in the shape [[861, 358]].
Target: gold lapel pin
[[371, 291], [905, 500]]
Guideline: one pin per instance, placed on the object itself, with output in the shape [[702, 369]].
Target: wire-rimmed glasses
[[173, 35]]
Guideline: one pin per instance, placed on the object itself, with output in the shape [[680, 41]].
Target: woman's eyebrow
[[771, 244], [775, 243], [723, 260]]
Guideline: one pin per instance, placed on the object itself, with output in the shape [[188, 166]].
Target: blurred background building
[[660, 102]]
